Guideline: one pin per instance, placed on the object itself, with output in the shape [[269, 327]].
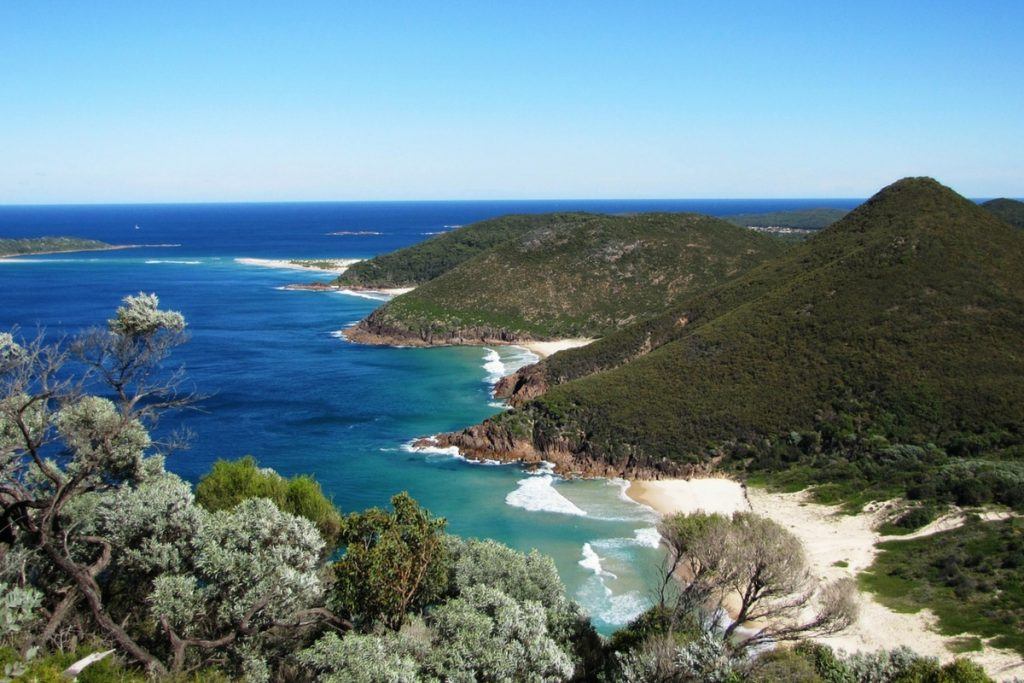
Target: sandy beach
[[337, 266], [829, 537], [375, 294], [546, 348]]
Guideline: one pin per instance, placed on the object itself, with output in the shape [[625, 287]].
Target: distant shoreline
[[112, 247]]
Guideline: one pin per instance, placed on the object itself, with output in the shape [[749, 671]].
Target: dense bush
[[231, 482]]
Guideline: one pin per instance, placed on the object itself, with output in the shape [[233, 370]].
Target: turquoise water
[[281, 385]]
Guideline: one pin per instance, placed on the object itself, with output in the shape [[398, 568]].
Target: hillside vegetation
[[804, 219], [421, 262], [899, 326], [48, 245], [1010, 210], [578, 275]]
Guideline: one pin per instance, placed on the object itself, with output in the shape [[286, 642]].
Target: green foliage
[[395, 562], [971, 577], [48, 668], [232, 481], [828, 667], [18, 607], [421, 262], [48, 245], [1010, 210], [486, 635], [531, 578], [360, 658], [577, 275], [782, 664], [803, 219]]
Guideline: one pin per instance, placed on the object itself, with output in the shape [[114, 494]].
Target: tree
[[756, 569], [92, 518], [394, 562]]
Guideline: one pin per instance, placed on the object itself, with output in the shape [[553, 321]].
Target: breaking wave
[[537, 493]]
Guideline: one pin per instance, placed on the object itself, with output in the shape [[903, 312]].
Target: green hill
[[1010, 210], [580, 275], [48, 245], [421, 262], [901, 324], [802, 219]]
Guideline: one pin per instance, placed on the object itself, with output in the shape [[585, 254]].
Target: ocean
[[281, 385]]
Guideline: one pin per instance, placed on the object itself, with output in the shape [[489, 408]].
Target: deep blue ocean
[[283, 387]]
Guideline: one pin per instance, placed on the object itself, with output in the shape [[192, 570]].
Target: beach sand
[[687, 496], [338, 266], [546, 348], [828, 537]]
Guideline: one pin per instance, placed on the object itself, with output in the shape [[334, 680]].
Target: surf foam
[[592, 561], [537, 493]]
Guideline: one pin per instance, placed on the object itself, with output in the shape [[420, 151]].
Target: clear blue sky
[[208, 101]]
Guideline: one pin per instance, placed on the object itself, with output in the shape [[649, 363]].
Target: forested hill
[[421, 262], [48, 245], [904, 320], [1010, 210], [579, 275], [802, 219]]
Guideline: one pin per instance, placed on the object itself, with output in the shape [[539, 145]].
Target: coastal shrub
[[829, 667], [230, 482], [885, 666], [486, 635], [394, 562], [782, 664], [530, 577], [360, 659]]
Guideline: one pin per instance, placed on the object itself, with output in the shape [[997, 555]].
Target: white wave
[[648, 536], [448, 452], [537, 493], [375, 296], [436, 232], [592, 561], [493, 365], [452, 226], [506, 362], [177, 262], [501, 405], [622, 609]]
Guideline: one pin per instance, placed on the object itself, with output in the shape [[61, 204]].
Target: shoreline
[[356, 335], [828, 536], [112, 247]]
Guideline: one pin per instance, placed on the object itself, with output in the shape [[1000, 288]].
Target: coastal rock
[[376, 329], [490, 441], [523, 385]]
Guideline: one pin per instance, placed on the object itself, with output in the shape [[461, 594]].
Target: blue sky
[[210, 101]]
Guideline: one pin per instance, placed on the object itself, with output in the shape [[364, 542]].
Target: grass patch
[[972, 578], [841, 563], [965, 644]]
